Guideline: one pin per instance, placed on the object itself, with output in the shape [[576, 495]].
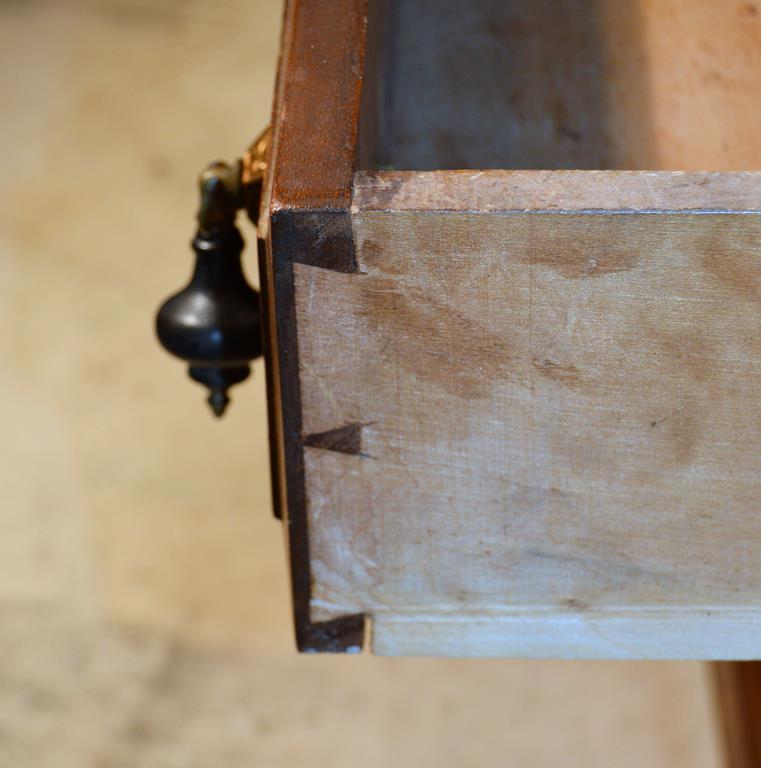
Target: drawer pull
[[214, 322]]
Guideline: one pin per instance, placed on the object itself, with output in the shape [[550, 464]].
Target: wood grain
[[560, 412], [567, 84], [317, 104], [548, 378], [608, 634], [557, 191]]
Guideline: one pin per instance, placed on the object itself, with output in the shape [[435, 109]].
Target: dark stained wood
[[315, 129], [273, 409], [738, 686], [346, 439], [327, 239], [321, 83], [287, 240]]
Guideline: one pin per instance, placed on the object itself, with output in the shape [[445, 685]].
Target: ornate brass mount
[[213, 323]]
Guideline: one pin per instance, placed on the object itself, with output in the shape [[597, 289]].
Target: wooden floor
[[144, 617]]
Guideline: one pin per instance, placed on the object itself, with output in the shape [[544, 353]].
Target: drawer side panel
[[549, 412]]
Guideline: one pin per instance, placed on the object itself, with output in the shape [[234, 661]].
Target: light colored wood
[[560, 410], [607, 634], [610, 84], [558, 192]]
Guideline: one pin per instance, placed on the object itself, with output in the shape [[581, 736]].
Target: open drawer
[[513, 293]]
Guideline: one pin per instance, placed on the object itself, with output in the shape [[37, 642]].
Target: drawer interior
[[562, 84]]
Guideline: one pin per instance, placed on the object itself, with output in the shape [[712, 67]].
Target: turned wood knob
[[214, 322]]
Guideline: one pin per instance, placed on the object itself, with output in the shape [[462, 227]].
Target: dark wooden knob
[[214, 322]]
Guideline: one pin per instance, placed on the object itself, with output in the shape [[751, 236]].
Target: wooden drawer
[[516, 408]]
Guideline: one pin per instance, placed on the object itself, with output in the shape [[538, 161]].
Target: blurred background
[[144, 606]]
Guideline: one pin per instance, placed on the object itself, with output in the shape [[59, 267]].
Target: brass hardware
[[253, 171], [255, 158]]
